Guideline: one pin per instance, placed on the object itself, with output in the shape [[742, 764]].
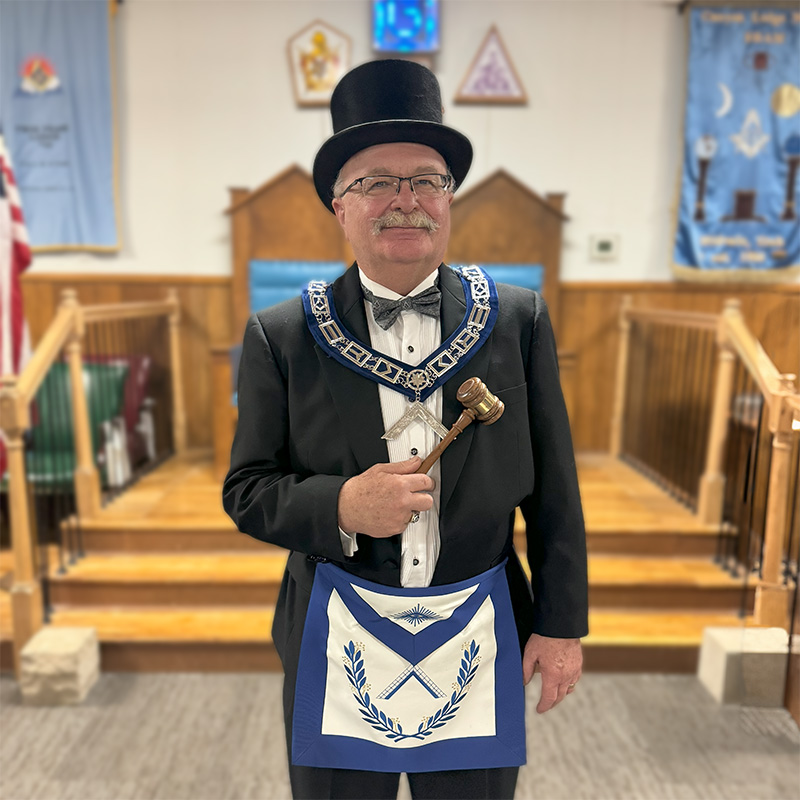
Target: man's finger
[[530, 666], [420, 501], [400, 467], [562, 693], [418, 483], [549, 696]]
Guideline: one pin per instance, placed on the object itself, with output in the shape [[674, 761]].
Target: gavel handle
[[467, 416]]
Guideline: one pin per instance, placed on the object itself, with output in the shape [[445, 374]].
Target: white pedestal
[[745, 666], [59, 666]]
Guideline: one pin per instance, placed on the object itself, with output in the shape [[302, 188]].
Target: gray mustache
[[397, 219]]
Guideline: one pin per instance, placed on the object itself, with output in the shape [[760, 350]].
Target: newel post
[[178, 404], [711, 492], [618, 416], [772, 597], [26, 591], [87, 479]]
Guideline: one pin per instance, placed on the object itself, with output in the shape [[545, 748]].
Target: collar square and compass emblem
[[416, 411]]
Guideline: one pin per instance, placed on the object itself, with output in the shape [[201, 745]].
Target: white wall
[[205, 103]]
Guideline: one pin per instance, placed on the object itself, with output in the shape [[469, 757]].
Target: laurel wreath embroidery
[[356, 675]]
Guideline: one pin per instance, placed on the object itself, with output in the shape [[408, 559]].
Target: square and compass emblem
[[416, 411]]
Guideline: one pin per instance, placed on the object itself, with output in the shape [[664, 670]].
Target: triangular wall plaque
[[491, 77]]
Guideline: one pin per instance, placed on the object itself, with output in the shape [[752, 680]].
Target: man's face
[[400, 252]]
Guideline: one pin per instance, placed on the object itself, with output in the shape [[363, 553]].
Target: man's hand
[[380, 501], [559, 661]]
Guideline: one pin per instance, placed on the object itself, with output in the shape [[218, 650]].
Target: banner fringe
[[697, 275]]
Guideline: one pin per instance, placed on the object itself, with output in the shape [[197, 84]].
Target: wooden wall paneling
[[223, 412], [194, 355], [218, 313], [503, 221], [241, 226], [553, 245], [40, 303]]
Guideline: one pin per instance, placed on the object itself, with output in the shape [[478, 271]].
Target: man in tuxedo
[[310, 470]]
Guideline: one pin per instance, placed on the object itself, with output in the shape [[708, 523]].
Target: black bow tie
[[387, 311]]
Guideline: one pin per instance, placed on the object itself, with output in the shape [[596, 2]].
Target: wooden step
[[254, 578], [159, 535], [624, 640], [644, 542], [638, 582], [165, 579], [666, 583], [170, 639], [636, 536], [6, 632]]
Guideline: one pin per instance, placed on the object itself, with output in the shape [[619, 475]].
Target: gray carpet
[[219, 737]]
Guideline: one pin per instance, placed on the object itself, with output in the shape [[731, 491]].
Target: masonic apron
[[409, 680]]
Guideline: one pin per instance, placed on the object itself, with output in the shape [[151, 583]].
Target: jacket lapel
[[355, 398], [453, 309]]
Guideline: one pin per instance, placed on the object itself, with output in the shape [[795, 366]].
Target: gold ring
[[414, 517]]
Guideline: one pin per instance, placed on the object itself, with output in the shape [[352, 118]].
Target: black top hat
[[387, 101]]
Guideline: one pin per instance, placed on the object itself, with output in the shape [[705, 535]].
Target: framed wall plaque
[[319, 55], [491, 77]]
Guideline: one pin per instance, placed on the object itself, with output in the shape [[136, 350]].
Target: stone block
[[744, 666], [59, 666]]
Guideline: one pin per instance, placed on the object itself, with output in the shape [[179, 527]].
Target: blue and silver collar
[[415, 382]]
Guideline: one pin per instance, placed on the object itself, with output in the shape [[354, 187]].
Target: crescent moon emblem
[[727, 101]]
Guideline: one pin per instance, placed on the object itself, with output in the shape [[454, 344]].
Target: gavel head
[[474, 394]]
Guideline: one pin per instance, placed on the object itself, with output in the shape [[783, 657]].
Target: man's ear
[[338, 209]]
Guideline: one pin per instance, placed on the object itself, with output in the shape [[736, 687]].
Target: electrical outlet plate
[[604, 247]]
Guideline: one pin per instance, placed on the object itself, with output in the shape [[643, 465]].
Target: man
[[397, 581]]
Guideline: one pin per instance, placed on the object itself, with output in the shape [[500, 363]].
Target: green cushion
[[54, 469], [104, 385]]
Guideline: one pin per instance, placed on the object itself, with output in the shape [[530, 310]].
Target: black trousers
[[310, 783]]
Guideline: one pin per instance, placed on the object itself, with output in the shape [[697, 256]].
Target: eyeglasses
[[427, 185]]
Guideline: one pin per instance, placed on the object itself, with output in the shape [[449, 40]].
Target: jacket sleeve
[[556, 536], [261, 493]]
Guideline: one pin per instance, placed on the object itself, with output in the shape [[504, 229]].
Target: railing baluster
[[793, 539]]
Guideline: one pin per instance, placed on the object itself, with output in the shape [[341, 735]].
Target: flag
[[15, 258]]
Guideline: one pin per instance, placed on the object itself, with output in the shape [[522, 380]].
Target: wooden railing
[[664, 391], [677, 400], [78, 339]]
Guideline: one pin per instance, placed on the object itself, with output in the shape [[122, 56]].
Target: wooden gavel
[[479, 403]]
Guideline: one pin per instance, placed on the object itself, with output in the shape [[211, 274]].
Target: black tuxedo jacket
[[308, 423]]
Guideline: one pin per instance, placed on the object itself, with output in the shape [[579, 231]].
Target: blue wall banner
[[739, 215], [56, 112]]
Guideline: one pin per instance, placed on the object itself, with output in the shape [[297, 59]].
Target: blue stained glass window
[[405, 26]]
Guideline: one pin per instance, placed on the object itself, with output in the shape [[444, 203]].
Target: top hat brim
[[453, 146]]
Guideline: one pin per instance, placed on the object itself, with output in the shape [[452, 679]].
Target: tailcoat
[[307, 424]]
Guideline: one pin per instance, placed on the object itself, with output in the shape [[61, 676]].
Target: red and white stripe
[[15, 258]]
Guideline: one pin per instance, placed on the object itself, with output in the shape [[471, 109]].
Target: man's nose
[[405, 200]]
